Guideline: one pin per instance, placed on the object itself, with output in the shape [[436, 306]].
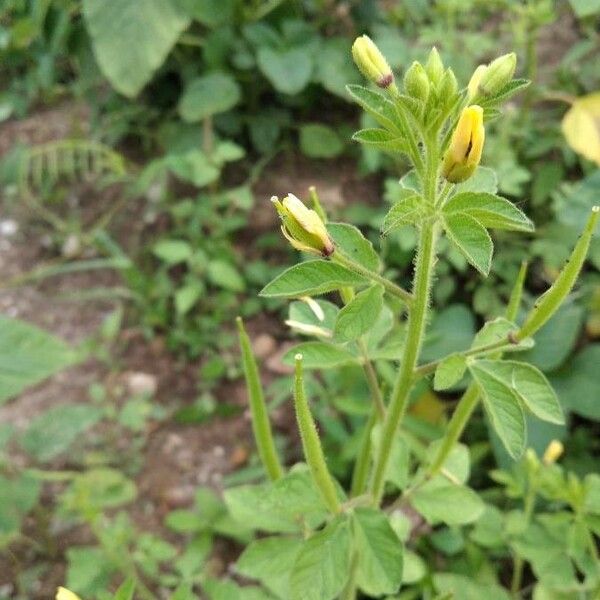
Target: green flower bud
[[448, 87], [371, 63], [416, 82], [497, 74], [303, 227], [434, 67], [473, 87]]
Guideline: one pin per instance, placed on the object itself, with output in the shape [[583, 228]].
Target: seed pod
[[464, 152], [371, 62]]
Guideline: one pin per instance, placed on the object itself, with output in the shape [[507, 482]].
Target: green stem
[[372, 381], [456, 426], [388, 285], [416, 326], [360, 474], [313, 452], [529, 505], [430, 367]]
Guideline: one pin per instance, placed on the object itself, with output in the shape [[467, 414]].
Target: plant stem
[[456, 426], [389, 286], [360, 474], [416, 326], [372, 381], [529, 505]]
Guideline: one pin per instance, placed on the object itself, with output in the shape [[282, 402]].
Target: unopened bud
[[473, 87], [497, 74], [532, 461], [464, 152], [303, 227], [434, 67], [448, 87], [553, 452], [416, 82], [65, 594], [371, 62]]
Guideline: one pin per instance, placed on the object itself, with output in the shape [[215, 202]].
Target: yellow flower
[[553, 452], [371, 62], [65, 594], [464, 152], [581, 126], [303, 227]]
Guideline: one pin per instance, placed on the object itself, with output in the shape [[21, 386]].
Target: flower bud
[[464, 152], [434, 67], [371, 62], [473, 87], [497, 74], [65, 594], [553, 452], [416, 82], [448, 87], [303, 227]]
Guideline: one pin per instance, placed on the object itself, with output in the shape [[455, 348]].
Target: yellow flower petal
[[581, 126], [65, 594]]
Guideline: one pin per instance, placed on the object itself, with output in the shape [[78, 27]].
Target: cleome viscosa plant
[[327, 542]]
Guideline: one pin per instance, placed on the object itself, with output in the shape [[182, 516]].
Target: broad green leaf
[[311, 278], [451, 330], [585, 8], [591, 502], [324, 319], [224, 274], [186, 297], [461, 587], [172, 252], [379, 107], [489, 210], [381, 139], [223, 589], [441, 501], [210, 12], [131, 38], [379, 552], [407, 211], [529, 384], [288, 70], [335, 68], [484, 180], [503, 408], [270, 561], [280, 506], [89, 569], [578, 383], [28, 355], [55, 430], [457, 465], [208, 95], [322, 566], [414, 568], [498, 330], [125, 591], [360, 314], [193, 166], [449, 372], [472, 240], [354, 244], [320, 141], [18, 496], [320, 355], [99, 489]]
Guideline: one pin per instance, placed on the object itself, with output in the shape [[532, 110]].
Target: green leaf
[[489, 210], [186, 297], [471, 239], [484, 180], [54, 431], [530, 386], [311, 278], [381, 139], [89, 570], [99, 489], [224, 275], [449, 372], [18, 496], [335, 68], [208, 95], [360, 314], [28, 355], [354, 244], [457, 464], [210, 12], [320, 141], [379, 107], [466, 588], [223, 589], [322, 566], [125, 591], [131, 38], [288, 70], [193, 166], [407, 211], [379, 552], [451, 330], [172, 252], [319, 355], [504, 409], [441, 501], [270, 561], [578, 384]]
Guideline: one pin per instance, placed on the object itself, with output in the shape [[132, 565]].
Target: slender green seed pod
[[258, 408], [313, 453], [514, 302], [551, 300]]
